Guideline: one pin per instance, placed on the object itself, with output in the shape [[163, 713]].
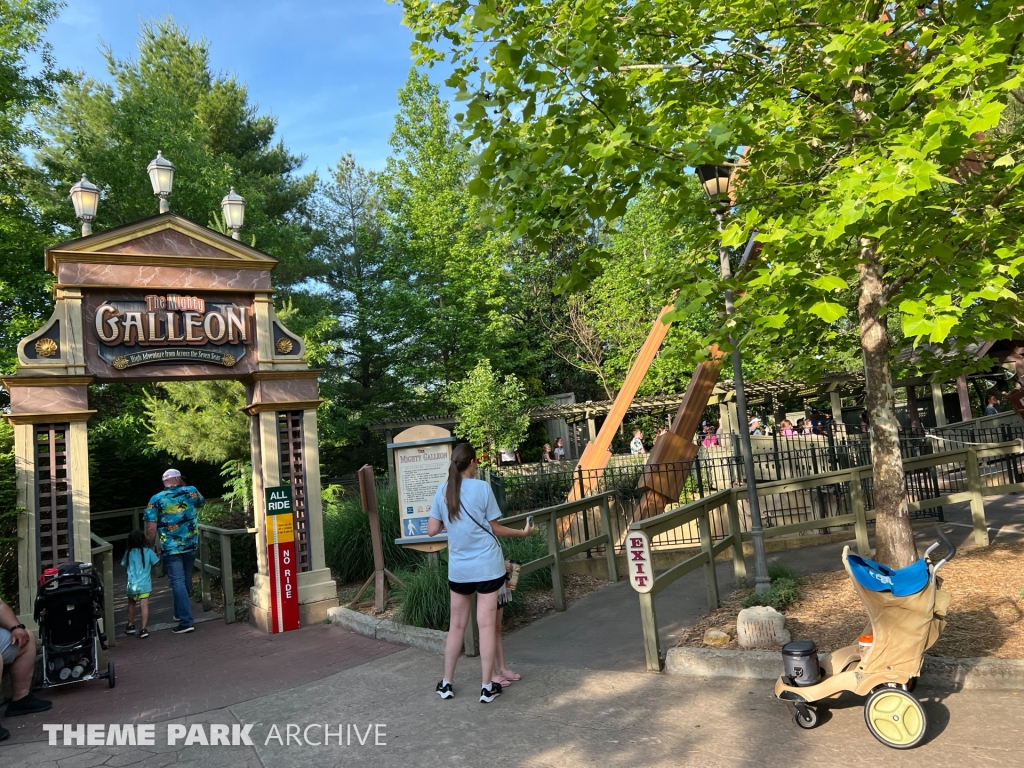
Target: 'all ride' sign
[[284, 583]]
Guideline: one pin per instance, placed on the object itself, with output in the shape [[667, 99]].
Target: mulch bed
[[533, 604], [985, 618]]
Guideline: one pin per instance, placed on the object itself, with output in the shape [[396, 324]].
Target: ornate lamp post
[[715, 180], [161, 176], [85, 196], [233, 206]]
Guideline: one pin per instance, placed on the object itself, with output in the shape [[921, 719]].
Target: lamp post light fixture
[[85, 196], [161, 176], [233, 205], [715, 180]]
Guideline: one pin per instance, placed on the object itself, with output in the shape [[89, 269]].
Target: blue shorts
[[8, 648]]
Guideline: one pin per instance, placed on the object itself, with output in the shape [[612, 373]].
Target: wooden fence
[[648, 584]]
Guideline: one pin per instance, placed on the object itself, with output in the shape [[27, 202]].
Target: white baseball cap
[[171, 473]]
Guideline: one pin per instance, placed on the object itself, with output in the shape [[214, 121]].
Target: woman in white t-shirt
[[466, 507]]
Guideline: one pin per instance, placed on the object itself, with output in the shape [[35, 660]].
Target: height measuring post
[[284, 586]]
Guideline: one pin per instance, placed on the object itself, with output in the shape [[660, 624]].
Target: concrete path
[[602, 631], [553, 717]]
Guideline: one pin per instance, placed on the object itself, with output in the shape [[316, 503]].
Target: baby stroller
[[68, 610], [907, 611]]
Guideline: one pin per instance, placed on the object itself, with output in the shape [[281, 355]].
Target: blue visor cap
[[881, 578]]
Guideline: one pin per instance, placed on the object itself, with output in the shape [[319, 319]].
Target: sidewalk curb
[[976, 673], [387, 630]]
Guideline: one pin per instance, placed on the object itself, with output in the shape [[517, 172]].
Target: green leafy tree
[[357, 332], [444, 262], [491, 410], [24, 231], [203, 421], [169, 99], [877, 170]]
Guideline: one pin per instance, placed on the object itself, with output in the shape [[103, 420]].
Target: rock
[[761, 627], [716, 638]]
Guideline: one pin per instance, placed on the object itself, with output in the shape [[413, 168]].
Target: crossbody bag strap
[[479, 524]]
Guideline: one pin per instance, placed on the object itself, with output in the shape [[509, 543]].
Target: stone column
[[272, 394], [317, 590], [38, 401]]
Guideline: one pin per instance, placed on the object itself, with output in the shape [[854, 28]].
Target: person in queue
[[172, 528], [466, 507], [18, 654]]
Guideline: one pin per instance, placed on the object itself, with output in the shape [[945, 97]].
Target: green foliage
[[443, 258], [24, 232], [782, 594], [347, 545], [491, 411], [199, 420], [784, 590], [777, 570], [9, 513], [169, 99], [525, 550], [425, 597], [878, 172]]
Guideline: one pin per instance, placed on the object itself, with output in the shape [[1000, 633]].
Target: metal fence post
[[861, 525], [652, 641], [775, 445], [227, 581], [739, 566], [706, 545], [700, 479], [977, 499], [609, 551], [109, 627], [557, 586]]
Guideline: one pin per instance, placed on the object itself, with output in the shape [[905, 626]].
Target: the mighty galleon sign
[[159, 328]]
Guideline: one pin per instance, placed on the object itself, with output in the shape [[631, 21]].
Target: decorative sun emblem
[[228, 360], [120, 362], [284, 345], [46, 347]]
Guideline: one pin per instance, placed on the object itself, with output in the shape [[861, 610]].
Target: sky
[[329, 70]]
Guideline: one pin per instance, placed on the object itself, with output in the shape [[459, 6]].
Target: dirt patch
[[985, 618], [531, 605]]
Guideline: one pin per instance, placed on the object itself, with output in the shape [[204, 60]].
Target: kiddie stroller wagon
[[68, 610], [907, 611]]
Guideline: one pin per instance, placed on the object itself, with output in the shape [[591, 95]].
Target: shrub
[[777, 570], [425, 597], [782, 594], [526, 550], [348, 548], [9, 512]]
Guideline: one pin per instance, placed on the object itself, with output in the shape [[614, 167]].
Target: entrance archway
[[156, 300]]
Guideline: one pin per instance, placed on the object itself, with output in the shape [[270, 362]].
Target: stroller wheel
[[895, 718], [111, 679], [806, 717]]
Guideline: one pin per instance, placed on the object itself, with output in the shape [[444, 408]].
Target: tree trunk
[[894, 537]]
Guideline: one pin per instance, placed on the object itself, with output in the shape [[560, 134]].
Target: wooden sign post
[[368, 495]]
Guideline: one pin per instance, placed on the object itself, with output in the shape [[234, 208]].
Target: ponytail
[[462, 457]]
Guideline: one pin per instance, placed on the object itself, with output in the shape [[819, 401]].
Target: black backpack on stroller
[[68, 610]]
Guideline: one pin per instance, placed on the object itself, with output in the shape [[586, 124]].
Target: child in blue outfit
[[139, 559]]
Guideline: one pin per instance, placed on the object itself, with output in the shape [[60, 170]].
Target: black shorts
[[483, 587]]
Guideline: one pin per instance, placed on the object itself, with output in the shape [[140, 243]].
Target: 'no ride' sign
[[284, 583]]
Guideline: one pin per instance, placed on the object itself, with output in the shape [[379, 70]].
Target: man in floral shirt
[[173, 514]]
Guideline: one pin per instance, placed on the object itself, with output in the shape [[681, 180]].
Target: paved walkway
[[581, 702], [553, 717]]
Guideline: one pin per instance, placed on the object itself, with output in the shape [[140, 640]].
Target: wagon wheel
[[895, 718]]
